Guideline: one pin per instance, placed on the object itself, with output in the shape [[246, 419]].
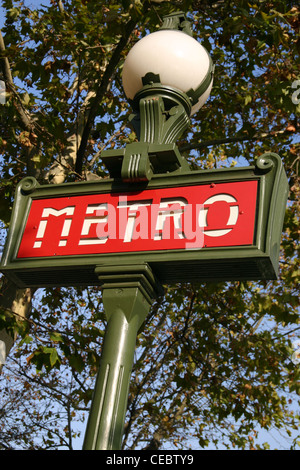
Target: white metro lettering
[[154, 219], [137, 216], [169, 208], [68, 211], [130, 220], [96, 213], [233, 215]]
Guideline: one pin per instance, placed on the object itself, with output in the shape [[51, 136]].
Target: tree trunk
[[13, 301]]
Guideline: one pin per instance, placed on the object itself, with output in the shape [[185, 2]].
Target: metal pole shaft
[[126, 306]]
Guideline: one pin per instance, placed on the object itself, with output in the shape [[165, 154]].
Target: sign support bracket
[[128, 293]]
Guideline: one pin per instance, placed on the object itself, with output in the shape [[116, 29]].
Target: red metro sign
[[186, 217], [195, 226]]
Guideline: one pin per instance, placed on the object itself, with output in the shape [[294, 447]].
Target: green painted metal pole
[[127, 300]]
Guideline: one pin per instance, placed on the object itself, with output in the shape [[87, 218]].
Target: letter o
[[233, 215]]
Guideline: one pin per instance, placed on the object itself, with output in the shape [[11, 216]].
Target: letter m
[[56, 212]]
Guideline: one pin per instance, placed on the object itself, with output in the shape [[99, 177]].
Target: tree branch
[[17, 301], [60, 6], [101, 90], [63, 166], [26, 121], [229, 140], [4, 62]]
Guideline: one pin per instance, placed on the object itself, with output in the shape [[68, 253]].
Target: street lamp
[[167, 77]]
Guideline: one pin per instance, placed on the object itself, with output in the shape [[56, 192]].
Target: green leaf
[[56, 337], [77, 362], [248, 99]]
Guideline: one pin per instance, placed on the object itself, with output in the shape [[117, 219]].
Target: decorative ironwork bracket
[[177, 21], [161, 119]]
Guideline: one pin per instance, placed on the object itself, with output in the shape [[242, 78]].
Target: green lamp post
[[167, 76]]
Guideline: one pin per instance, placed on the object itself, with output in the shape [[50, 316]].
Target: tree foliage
[[213, 363]]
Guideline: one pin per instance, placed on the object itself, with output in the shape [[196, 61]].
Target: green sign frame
[[259, 260]]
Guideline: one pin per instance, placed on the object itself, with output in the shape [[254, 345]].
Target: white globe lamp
[[179, 60]]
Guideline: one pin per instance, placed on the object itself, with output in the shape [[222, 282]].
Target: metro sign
[[188, 217], [204, 225]]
